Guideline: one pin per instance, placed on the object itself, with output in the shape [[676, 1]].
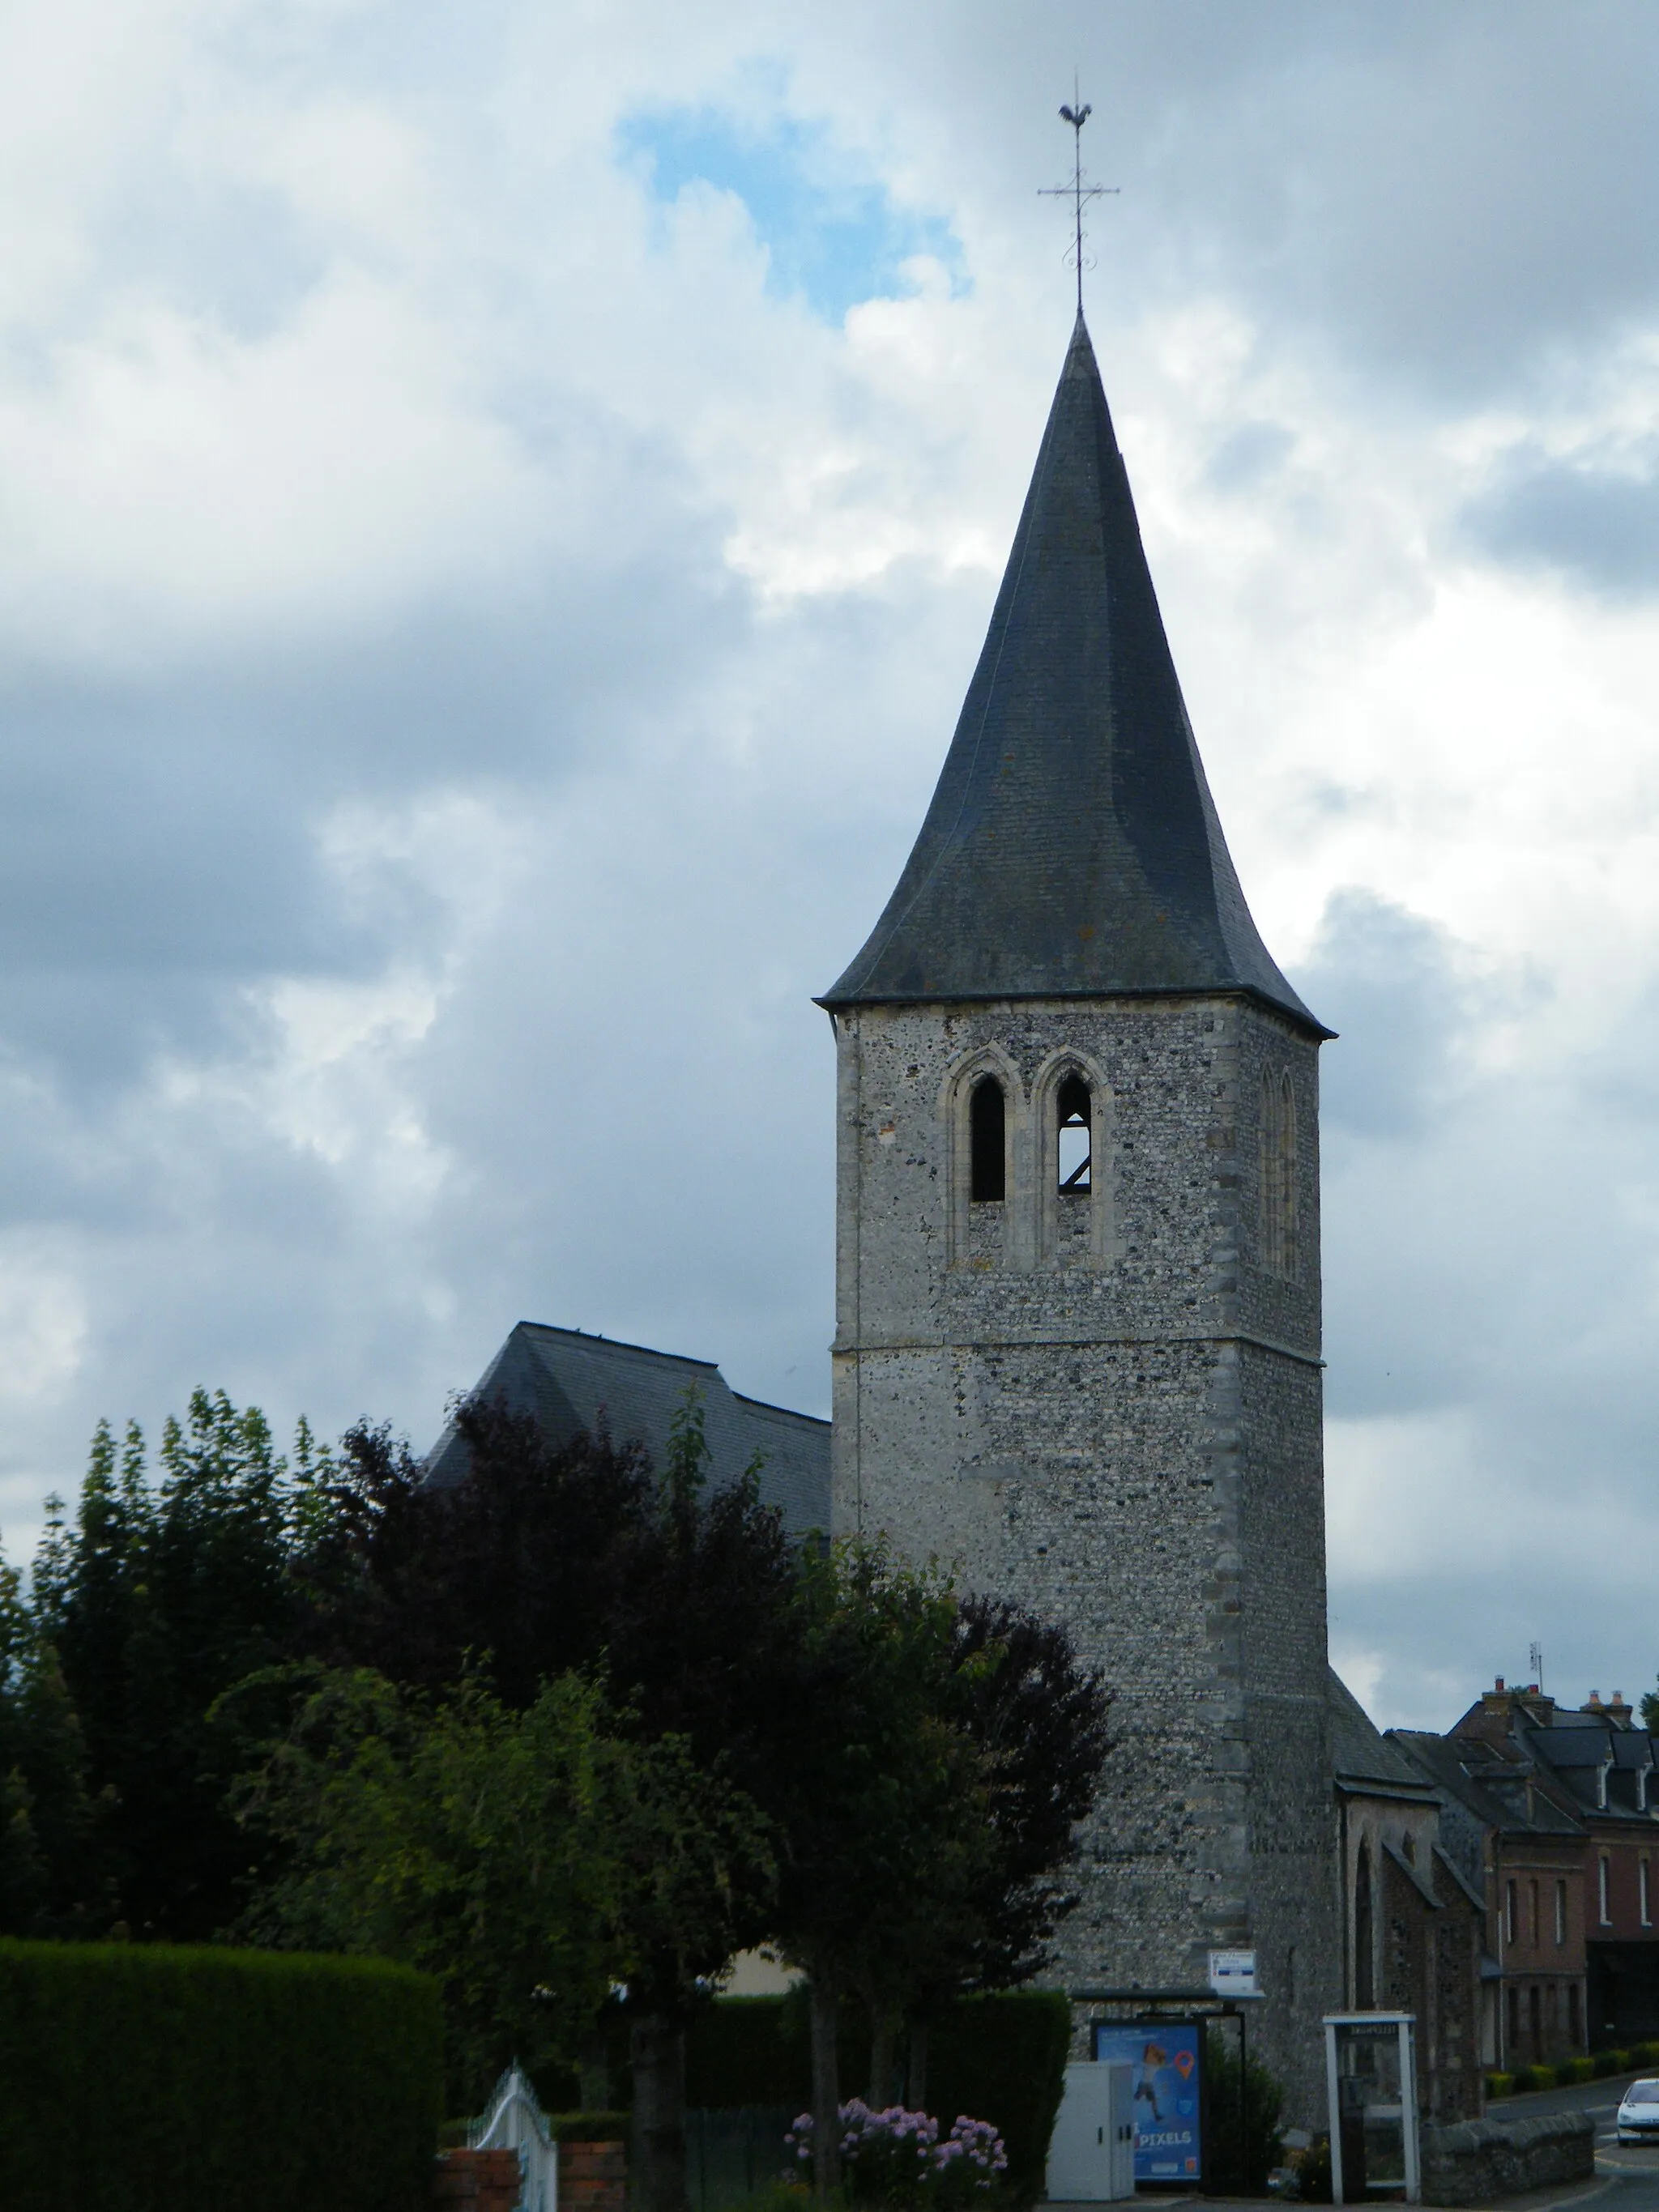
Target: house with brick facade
[[1546, 1808], [1596, 1764]]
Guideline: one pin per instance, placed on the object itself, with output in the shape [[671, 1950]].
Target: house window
[[1532, 1914], [1575, 2031], [1073, 1105], [1642, 1889], [1604, 1889], [1278, 1225], [987, 1120], [1561, 1912], [1511, 1912]]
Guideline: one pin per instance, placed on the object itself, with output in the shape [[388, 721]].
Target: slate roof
[[1072, 849], [1489, 1784], [1363, 1760], [574, 1383]]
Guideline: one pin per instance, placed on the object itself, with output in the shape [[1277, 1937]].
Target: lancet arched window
[[988, 1115], [1073, 1140], [1365, 1971], [1277, 1172]]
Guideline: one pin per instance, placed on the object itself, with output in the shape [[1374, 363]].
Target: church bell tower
[[1078, 1299]]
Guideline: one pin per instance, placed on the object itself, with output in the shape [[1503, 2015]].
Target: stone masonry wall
[[1108, 1408]]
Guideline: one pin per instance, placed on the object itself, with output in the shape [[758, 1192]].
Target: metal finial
[[1076, 192]]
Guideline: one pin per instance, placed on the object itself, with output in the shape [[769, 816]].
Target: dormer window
[[1072, 1152], [987, 1123]]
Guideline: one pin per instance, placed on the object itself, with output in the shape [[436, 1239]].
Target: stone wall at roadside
[[1478, 2160]]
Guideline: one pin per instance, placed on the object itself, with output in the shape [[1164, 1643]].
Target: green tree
[[885, 1817], [548, 1559], [157, 1599], [530, 1858], [52, 1874]]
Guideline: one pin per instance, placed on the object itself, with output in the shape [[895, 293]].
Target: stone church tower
[[1077, 1296]]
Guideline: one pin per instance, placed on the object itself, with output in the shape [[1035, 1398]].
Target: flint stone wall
[[1475, 2161], [1109, 1409]]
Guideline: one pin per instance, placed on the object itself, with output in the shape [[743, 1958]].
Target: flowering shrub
[[896, 2158]]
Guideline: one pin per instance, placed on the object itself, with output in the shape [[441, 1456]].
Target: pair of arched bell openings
[[1067, 1168], [988, 1123], [1069, 1121]]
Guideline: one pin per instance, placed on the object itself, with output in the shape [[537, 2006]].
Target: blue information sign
[[1167, 2057]]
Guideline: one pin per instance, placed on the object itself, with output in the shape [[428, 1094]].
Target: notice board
[[1167, 2057]]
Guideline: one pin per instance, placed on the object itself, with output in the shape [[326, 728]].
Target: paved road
[[1627, 2175]]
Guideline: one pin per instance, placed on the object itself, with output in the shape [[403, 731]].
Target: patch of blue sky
[[833, 233]]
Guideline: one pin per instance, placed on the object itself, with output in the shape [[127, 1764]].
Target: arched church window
[[1072, 1105], [1278, 1173], [1364, 1977], [986, 1121]]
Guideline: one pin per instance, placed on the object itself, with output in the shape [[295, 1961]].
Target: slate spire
[[1072, 849]]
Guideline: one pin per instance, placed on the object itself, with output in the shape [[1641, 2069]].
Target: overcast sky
[[499, 505]]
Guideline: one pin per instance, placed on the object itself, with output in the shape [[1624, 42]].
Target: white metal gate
[[513, 2120]]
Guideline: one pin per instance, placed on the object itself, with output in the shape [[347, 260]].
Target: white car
[[1639, 2116]]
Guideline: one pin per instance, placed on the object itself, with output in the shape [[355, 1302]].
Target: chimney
[[1617, 1711]]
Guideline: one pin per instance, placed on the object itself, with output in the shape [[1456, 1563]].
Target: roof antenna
[[1076, 192]]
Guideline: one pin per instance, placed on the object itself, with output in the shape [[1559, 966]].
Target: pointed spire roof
[[1073, 849]]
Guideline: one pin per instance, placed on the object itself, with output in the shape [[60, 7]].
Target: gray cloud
[[387, 959], [1596, 526]]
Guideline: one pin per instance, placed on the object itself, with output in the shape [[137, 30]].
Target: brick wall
[[476, 2181], [592, 2177]]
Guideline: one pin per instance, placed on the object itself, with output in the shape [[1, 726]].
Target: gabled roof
[[1362, 1757], [1072, 849], [574, 1383], [1488, 1784]]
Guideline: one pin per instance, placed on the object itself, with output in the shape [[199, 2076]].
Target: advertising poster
[[1166, 2058]]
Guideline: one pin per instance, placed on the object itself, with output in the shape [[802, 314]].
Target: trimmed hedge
[[589, 2127], [1000, 2058], [1499, 2085], [145, 2078], [1610, 2062], [1003, 2058]]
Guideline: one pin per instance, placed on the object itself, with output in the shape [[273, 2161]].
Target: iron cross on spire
[[1076, 192]]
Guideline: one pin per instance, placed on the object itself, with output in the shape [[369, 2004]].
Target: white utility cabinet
[[1092, 2154]]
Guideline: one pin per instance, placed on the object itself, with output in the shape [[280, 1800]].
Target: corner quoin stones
[[1105, 1404]]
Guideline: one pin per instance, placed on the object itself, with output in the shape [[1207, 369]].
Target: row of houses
[[1498, 1882]]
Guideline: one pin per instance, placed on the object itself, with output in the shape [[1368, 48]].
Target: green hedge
[[1499, 2085], [1610, 2062], [589, 2127], [1575, 2069], [1000, 2058], [1003, 2058], [141, 2078]]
